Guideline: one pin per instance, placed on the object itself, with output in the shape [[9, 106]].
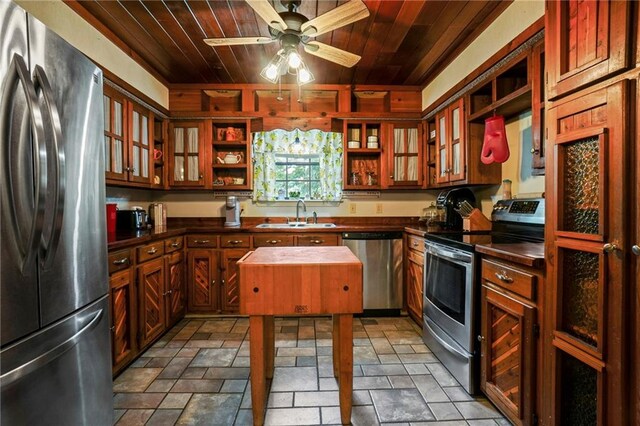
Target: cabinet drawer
[[416, 243], [517, 281], [119, 260], [234, 240], [175, 258], [173, 244], [318, 240], [416, 257], [204, 241], [150, 251], [272, 240]]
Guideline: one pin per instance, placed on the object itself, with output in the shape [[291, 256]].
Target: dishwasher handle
[[388, 235]]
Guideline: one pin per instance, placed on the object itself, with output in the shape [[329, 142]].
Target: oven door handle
[[449, 255], [440, 340]]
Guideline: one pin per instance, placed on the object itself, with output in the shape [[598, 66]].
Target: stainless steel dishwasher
[[381, 257]]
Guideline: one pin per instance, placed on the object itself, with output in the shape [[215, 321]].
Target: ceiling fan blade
[[330, 53], [234, 41], [336, 18], [268, 13]]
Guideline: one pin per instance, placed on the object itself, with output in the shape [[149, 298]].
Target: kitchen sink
[[296, 225]]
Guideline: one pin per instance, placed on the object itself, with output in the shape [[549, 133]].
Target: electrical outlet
[[352, 208], [379, 208]]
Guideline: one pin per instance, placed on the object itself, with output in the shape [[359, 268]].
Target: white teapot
[[232, 158]]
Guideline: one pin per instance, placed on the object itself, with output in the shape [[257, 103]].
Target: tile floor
[[197, 374]]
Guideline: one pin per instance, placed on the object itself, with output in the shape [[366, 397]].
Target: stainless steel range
[[452, 286]]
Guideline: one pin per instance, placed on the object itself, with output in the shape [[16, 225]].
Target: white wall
[[70, 26]]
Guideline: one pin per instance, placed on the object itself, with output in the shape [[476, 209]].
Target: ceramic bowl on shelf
[[353, 144], [372, 145], [238, 181]]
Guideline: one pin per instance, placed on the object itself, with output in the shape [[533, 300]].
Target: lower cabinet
[[151, 303], [123, 326], [230, 287], [174, 294], [414, 267], [203, 281]]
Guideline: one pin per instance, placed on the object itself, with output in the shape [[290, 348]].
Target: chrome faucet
[[298, 209]]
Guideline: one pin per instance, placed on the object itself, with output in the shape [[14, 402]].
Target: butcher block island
[[300, 281]]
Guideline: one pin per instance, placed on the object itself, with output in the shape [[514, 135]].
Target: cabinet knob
[[502, 276], [535, 151], [152, 251], [317, 241], [481, 338], [200, 176], [175, 245], [113, 328], [222, 281], [274, 241], [213, 282], [121, 261], [201, 241], [610, 247], [390, 176], [234, 242], [636, 249]]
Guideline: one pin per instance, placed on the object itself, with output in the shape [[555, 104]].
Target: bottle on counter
[[506, 189]]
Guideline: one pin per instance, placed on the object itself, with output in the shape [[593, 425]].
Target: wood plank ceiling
[[403, 42]]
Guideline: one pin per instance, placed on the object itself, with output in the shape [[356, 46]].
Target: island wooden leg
[[336, 346], [257, 362], [269, 343], [346, 366]]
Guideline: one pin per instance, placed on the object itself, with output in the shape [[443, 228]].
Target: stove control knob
[[636, 249]]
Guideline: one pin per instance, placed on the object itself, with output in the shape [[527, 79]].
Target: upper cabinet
[[404, 154], [140, 145], [586, 41], [450, 143], [187, 154], [115, 135], [231, 154]]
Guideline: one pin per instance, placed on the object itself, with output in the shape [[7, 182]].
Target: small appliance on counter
[[127, 220], [232, 208], [433, 217], [450, 200]]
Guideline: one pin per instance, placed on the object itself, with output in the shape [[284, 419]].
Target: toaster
[[131, 219]]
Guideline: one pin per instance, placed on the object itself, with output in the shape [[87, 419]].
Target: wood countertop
[[528, 254]]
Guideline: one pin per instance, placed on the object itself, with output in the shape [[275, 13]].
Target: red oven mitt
[[495, 146]]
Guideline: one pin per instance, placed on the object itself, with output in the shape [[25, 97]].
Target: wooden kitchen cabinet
[[140, 143], [414, 267], [404, 154], [451, 143], [122, 300], [175, 297], [586, 41], [272, 240], [230, 287], [203, 281], [362, 162], [231, 154], [317, 239], [187, 154], [151, 303]]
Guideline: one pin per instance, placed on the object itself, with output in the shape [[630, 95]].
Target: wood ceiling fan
[[291, 28]]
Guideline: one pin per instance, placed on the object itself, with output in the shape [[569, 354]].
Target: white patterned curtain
[[266, 145]]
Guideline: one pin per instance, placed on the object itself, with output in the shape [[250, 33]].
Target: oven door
[[449, 292]]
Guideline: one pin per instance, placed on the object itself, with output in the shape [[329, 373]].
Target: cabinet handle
[[200, 176], [274, 241], [121, 261], [415, 244], [610, 247], [113, 328], [133, 170], [390, 176], [175, 245], [502, 276], [222, 281], [481, 338], [213, 282], [170, 292], [535, 151], [234, 242], [316, 241], [636, 249], [152, 251], [201, 241]]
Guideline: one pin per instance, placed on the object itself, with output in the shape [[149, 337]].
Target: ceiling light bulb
[[304, 75], [294, 60], [271, 72]]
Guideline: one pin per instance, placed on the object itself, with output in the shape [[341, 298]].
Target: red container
[[111, 217]]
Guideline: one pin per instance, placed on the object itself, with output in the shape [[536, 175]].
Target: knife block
[[476, 221]]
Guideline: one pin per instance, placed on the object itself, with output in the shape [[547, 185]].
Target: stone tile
[[415, 369], [457, 393], [211, 344], [234, 344], [280, 400], [307, 343], [328, 384], [324, 343], [419, 349], [401, 382], [442, 375], [389, 359], [292, 416], [403, 337], [175, 368], [286, 340], [117, 414], [306, 361], [375, 333], [164, 418], [241, 361], [193, 373], [502, 422], [362, 342], [289, 329], [294, 379], [364, 415], [400, 405], [418, 358], [218, 326], [135, 417], [176, 343], [140, 362], [227, 336], [381, 346], [234, 386], [403, 349], [384, 370], [316, 399], [429, 388], [244, 418], [161, 352], [445, 411], [325, 370], [360, 334], [227, 373], [324, 350], [214, 358], [376, 382], [201, 336], [306, 332], [325, 360], [161, 385], [485, 422], [192, 385], [285, 361], [175, 401], [361, 397], [296, 352], [365, 355], [211, 409], [188, 352], [135, 379], [158, 362], [137, 400], [479, 409], [442, 423]]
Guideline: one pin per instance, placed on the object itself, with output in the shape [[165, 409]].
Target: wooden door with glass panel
[[115, 135], [450, 142], [587, 205], [405, 158], [187, 154], [140, 149]]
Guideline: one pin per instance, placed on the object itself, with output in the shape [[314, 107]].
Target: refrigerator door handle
[[50, 355], [17, 73], [56, 161]]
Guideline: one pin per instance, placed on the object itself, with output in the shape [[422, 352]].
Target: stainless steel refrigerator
[[55, 363]]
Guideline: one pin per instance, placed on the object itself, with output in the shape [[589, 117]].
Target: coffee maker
[[449, 200], [232, 207]]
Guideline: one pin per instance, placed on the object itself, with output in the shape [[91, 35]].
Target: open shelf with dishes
[[430, 129], [160, 135], [231, 154], [362, 155]]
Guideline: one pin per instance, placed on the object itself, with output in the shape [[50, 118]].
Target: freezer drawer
[[62, 374]]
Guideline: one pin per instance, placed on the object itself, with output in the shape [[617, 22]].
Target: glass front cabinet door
[[187, 152]]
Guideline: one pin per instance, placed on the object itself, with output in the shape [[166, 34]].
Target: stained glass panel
[[580, 281], [579, 392], [581, 186]]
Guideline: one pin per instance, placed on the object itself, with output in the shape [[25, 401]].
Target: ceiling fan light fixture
[[273, 70], [304, 76], [294, 59]]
